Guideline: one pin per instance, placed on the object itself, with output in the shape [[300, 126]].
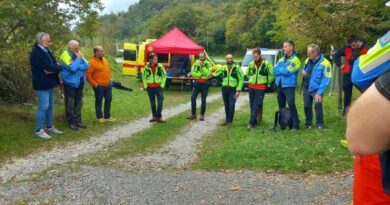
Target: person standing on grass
[[232, 82], [201, 72], [154, 78], [73, 76], [317, 75], [99, 76], [286, 72], [259, 74], [351, 52], [367, 131], [45, 78]]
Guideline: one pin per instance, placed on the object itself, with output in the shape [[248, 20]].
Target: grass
[[284, 151], [17, 121], [147, 140]]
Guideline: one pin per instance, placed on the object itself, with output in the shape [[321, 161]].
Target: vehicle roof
[[265, 51]]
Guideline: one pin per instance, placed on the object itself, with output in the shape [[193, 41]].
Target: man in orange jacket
[[99, 76]]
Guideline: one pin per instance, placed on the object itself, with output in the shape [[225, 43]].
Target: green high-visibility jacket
[[261, 74], [233, 77], [201, 72], [159, 77]]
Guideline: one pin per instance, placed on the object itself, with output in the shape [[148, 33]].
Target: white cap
[[388, 3]]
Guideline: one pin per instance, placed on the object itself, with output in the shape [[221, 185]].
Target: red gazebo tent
[[174, 42]]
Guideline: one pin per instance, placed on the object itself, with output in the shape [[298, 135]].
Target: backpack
[[283, 117]]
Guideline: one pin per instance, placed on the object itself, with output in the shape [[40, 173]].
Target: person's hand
[[47, 72], [317, 98], [237, 95], [304, 74], [200, 63], [342, 67], [141, 89], [79, 54], [210, 75], [189, 75]]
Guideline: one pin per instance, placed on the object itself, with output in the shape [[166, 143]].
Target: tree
[[20, 21]]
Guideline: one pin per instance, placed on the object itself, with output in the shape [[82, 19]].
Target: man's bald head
[[98, 51], [229, 58]]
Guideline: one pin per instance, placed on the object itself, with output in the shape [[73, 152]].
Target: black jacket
[[40, 61]]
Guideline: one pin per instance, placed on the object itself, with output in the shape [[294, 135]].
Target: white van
[[272, 55]]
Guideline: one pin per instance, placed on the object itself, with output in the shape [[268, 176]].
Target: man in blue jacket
[[317, 76], [45, 71], [73, 76], [286, 72]]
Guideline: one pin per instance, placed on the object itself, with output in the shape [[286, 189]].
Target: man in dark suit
[[45, 71]]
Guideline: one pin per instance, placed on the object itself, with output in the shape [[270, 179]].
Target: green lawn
[[281, 150], [17, 121], [147, 140]]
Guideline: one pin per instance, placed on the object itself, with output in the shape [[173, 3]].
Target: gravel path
[[143, 181], [110, 186], [183, 150], [36, 162]]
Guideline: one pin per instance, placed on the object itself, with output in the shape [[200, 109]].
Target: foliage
[[20, 21]]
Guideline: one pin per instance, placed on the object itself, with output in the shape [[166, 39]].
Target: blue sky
[[116, 5]]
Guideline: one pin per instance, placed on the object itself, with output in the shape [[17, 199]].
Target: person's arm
[[368, 120], [337, 56], [195, 72], [219, 71], [240, 76], [89, 74], [164, 76], [326, 79], [144, 78], [271, 77]]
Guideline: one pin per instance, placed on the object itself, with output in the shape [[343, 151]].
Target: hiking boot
[[159, 120], [201, 117], [308, 126], [320, 127], [42, 134], [250, 127], [54, 130], [226, 123], [73, 126], [191, 117], [111, 119], [101, 120], [81, 125], [154, 119]]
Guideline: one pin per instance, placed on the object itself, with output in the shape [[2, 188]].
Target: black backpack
[[283, 117]]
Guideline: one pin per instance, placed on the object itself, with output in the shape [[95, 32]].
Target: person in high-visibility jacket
[[317, 75], [367, 68], [260, 75], [286, 72], [232, 82], [365, 134], [154, 78], [73, 77], [201, 72]]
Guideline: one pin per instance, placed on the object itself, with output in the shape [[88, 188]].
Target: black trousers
[[203, 89], [73, 102], [153, 94], [256, 98], [347, 89], [308, 106], [229, 100], [288, 95], [100, 93]]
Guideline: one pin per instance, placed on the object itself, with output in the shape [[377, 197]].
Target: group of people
[[72, 71], [316, 73]]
